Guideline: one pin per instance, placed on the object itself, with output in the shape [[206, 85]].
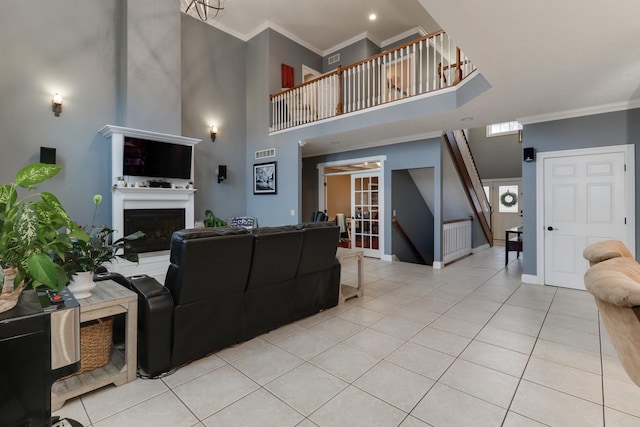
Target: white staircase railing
[[430, 63], [456, 239]]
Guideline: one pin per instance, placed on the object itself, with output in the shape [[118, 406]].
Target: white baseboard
[[438, 265], [531, 279], [480, 248], [385, 257]]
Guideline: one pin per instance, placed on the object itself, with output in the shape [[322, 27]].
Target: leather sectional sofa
[[226, 285]]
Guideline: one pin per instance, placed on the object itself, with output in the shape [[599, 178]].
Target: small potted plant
[[91, 249], [30, 232], [120, 182], [212, 221]]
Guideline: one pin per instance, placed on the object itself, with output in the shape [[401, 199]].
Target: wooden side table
[[512, 243], [347, 291], [107, 299]]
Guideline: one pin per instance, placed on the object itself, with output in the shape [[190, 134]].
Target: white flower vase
[[82, 284]]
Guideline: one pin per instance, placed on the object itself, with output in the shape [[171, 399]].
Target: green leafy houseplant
[[90, 247], [32, 229], [211, 220]]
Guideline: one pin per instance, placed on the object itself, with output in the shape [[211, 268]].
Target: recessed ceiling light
[[466, 119], [372, 17]]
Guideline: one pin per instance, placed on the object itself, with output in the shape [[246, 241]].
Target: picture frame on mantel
[[265, 178]]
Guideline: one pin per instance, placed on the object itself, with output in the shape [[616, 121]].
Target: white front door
[[504, 196], [366, 220], [585, 201]]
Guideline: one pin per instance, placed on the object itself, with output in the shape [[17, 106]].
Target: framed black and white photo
[[264, 178]]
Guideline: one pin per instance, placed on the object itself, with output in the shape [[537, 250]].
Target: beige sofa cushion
[[605, 250], [615, 285], [616, 281]]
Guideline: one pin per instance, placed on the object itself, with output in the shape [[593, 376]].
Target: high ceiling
[[322, 25], [543, 60]]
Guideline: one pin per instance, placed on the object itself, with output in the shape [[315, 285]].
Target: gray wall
[[409, 155], [351, 54], [85, 58], [152, 73], [68, 47], [269, 50], [213, 91], [496, 157], [414, 217], [617, 128]]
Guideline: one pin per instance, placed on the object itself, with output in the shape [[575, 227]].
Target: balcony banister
[[414, 68]]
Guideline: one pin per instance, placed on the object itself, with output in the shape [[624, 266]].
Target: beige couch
[[614, 281]]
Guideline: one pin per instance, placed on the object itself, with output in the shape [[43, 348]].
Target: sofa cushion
[[276, 254], [605, 250], [319, 247], [616, 281], [206, 263]]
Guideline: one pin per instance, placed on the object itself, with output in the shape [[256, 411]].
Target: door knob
[[550, 228]]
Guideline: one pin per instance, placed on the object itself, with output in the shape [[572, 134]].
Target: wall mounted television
[[154, 159]]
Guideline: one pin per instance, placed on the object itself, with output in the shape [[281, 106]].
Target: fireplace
[[154, 202], [157, 224]]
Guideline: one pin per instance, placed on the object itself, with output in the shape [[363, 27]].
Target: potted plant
[[31, 230], [212, 221], [90, 249]]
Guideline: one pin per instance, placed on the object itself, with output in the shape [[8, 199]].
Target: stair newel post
[[339, 105]]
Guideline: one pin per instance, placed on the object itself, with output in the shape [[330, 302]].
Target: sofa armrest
[[155, 324]]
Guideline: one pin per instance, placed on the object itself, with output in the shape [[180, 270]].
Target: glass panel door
[[365, 214]]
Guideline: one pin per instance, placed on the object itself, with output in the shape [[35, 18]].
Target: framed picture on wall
[[264, 178]]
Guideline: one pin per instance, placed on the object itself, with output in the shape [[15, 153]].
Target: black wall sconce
[[56, 104], [222, 173], [214, 132]]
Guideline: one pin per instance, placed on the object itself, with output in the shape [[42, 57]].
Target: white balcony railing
[[430, 63]]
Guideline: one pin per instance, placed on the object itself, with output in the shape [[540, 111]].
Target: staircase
[[458, 145]]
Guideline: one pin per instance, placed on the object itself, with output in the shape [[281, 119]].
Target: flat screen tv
[[155, 159]]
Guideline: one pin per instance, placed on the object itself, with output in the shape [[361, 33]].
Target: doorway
[[504, 197], [355, 188], [585, 196]]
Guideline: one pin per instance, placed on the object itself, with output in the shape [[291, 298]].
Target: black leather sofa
[[226, 285]]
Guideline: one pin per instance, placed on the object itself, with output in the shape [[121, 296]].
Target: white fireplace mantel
[[146, 197]]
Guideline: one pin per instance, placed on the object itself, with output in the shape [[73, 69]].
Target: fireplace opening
[[157, 224]]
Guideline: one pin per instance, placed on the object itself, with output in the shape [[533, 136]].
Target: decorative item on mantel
[[26, 237], [90, 249], [120, 182]]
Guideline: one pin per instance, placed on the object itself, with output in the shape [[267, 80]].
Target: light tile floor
[[468, 345]]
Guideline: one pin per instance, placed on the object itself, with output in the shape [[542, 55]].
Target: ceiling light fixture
[[205, 9], [372, 17]]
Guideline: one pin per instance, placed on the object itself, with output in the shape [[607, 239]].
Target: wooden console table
[[512, 243], [347, 291], [107, 299]]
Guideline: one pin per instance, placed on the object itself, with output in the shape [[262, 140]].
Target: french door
[[366, 214]]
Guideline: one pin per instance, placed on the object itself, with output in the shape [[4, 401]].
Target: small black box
[[48, 155], [529, 154]]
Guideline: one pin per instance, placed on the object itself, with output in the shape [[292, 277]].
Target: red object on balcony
[[287, 76]]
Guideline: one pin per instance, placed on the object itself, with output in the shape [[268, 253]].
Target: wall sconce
[[214, 132], [56, 104], [221, 171]]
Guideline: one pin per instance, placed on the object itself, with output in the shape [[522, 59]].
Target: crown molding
[[349, 42], [580, 112], [401, 36]]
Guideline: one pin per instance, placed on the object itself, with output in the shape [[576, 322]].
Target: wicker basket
[[95, 344]]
